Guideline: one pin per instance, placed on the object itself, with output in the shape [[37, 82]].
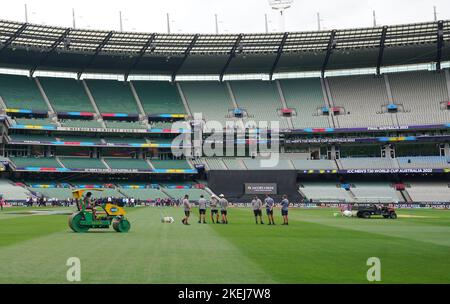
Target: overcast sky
[[197, 16]]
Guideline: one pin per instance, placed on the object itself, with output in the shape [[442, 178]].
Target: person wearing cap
[[214, 211], [223, 208], [269, 202]]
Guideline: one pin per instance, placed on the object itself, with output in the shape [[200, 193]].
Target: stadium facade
[[356, 115]]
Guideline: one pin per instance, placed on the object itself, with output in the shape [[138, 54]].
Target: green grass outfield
[[315, 248]]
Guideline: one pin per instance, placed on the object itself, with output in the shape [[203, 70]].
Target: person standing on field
[[285, 209], [223, 208], [187, 210], [257, 206], [202, 209], [269, 209], [214, 211]]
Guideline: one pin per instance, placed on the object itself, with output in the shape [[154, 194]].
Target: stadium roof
[[31, 46]]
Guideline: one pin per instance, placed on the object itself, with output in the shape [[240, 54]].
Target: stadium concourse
[[355, 123]]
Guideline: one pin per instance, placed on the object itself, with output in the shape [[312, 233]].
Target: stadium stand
[[11, 192], [34, 122], [170, 164], [53, 193], [194, 194], [71, 123], [82, 163], [112, 96], [21, 92], [127, 163], [375, 191], [143, 194], [424, 162], [260, 99], [368, 163], [350, 91], [159, 97], [319, 164], [43, 162], [233, 163], [325, 192], [66, 95], [124, 125], [256, 164], [209, 98], [421, 94], [306, 97], [429, 191]]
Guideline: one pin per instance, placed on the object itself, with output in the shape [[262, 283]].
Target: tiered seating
[[31, 137], [305, 96], [58, 193], [82, 163], [124, 125], [375, 191], [320, 164], [112, 96], [159, 97], [368, 163], [11, 192], [209, 98], [424, 162], [170, 164], [66, 95], [214, 163], [362, 96], [325, 192], [127, 163], [81, 123], [420, 93], [255, 164], [194, 194], [143, 194], [43, 162], [261, 100], [429, 192], [72, 138], [125, 140], [34, 122], [233, 164], [21, 92]]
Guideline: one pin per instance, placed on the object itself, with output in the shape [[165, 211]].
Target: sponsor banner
[[25, 111], [366, 139], [167, 116], [119, 115], [76, 114], [382, 128], [93, 144], [377, 171], [260, 188], [94, 170], [32, 127]]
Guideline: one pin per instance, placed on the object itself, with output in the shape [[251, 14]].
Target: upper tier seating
[[21, 92], [159, 97], [261, 100], [420, 93], [124, 125], [34, 122], [319, 164], [209, 98], [112, 96], [66, 95], [368, 163], [58, 193], [351, 92], [143, 194], [305, 96]]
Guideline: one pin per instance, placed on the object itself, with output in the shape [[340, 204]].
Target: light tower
[[281, 6]]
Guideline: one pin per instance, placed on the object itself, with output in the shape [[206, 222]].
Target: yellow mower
[[88, 217]]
